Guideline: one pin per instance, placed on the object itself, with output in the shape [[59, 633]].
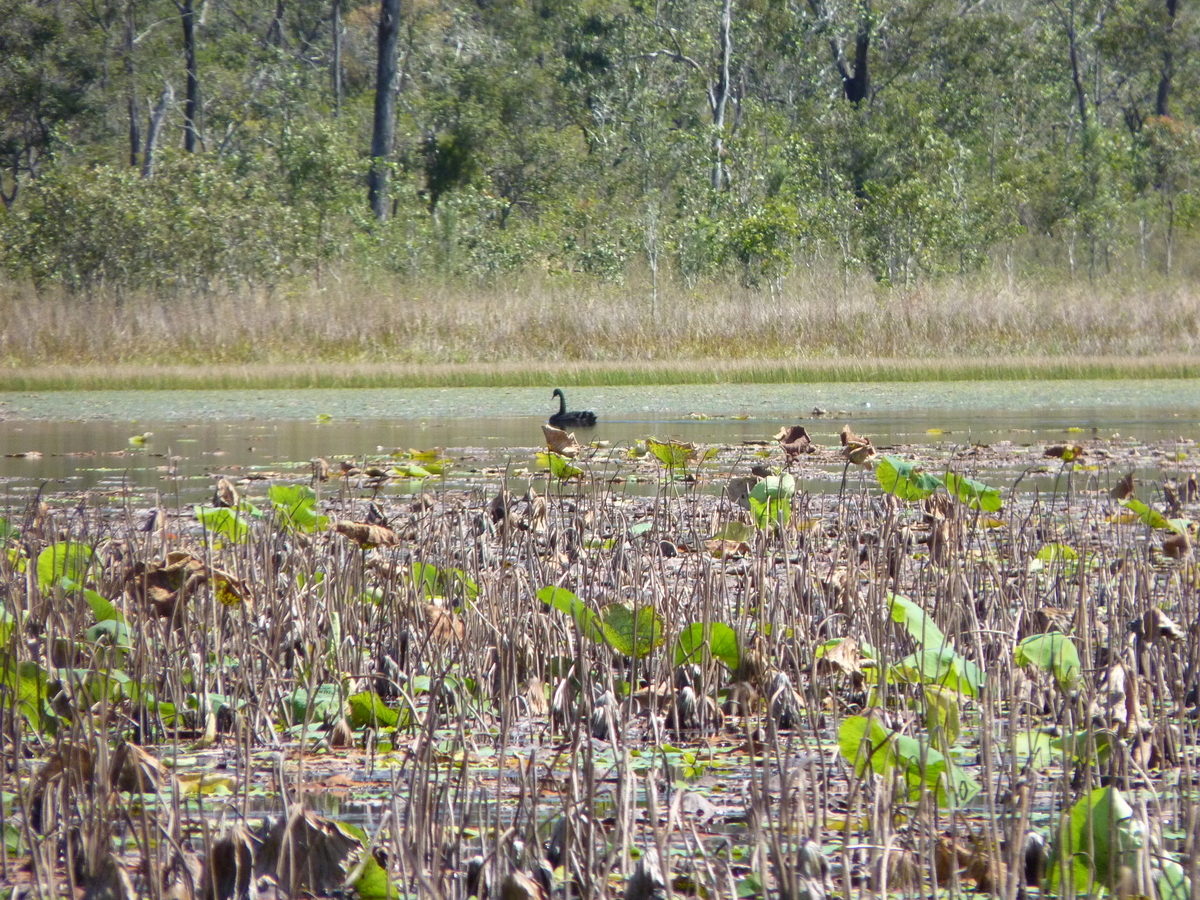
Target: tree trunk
[[337, 58], [857, 83], [720, 96], [385, 107], [191, 108], [275, 31], [157, 114], [135, 134], [1162, 101]]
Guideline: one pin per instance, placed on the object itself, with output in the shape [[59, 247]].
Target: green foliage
[[1053, 652], [225, 522], [581, 614], [972, 493], [432, 582], [631, 632], [297, 507], [771, 500], [905, 479], [698, 640], [560, 467], [65, 559], [867, 744], [914, 619], [367, 708], [1100, 836], [1152, 518]]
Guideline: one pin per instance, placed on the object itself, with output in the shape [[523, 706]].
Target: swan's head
[[558, 393]]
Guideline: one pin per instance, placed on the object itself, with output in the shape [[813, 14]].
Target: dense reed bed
[[816, 322], [726, 688]]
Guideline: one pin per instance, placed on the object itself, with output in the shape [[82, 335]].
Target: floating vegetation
[[404, 677]]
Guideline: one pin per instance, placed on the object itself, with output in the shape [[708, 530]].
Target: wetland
[[953, 651]]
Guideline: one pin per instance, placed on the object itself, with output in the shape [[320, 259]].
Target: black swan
[[564, 419]]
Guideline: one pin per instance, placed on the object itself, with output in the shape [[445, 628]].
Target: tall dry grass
[[814, 314]]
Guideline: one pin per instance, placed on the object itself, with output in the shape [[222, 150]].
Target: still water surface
[[197, 432]]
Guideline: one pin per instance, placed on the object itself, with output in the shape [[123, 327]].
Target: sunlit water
[[197, 433]]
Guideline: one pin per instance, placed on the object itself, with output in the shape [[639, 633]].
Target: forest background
[[596, 181]]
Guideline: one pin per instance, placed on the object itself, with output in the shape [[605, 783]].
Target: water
[[83, 438]]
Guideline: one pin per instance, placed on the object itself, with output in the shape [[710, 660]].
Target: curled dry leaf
[[856, 449], [308, 854], [1177, 546], [367, 535], [795, 442], [444, 626], [738, 490], [722, 549], [225, 494], [1155, 626], [842, 657], [166, 586], [320, 468], [1123, 489], [135, 771], [560, 442]]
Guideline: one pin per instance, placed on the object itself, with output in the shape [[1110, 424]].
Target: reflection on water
[[196, 433]]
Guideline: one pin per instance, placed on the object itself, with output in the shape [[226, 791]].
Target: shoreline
[[134, 376]]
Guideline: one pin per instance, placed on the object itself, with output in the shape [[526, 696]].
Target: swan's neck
[[562, 403]]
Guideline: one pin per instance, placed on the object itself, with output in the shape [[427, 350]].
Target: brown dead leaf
[[1123, 489], [843, 657], [1155, 626], [225, 494], [561, 442], [367, 535], [738, 490], [722, 549], [535, 695], [444, 626], [308, 854], [795, 442], [855, 449], [341, 735], [135, 771], [1177, 546], [1191, 491], [320, 468], [971, 860]]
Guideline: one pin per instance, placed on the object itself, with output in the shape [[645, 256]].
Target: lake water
[[197, 433]]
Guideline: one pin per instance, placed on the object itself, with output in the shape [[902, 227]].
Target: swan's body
[[576, 419]]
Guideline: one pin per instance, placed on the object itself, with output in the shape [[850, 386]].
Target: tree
[[385, 107]]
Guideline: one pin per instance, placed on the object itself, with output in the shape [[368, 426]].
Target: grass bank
[[700, 371], [817, 325]]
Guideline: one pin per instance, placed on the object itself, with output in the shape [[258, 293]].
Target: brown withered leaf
[[795, 442], [367, 535], [444, 626], [843, 657], [1155, 626], [723, 549], [1123, 489], [135, 771], [519, 886], [856, 449], [320, 468], [738, 490], [308, 854], [341, 735], [1065, 452], [971, 860], [535, 695], [1177, 546], [561, 442], [1191, 490], [225, 494]]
